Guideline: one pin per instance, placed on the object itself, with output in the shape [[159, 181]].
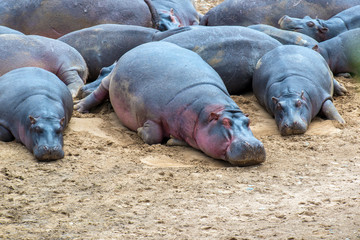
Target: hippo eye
[[58, 130], [38, 129], [298, 103], [310, 24]]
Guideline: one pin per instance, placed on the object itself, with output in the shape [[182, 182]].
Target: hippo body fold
[[35, 108], [55, 18], [250, 12], [232, 51], [18, 51], [296, 94], [171, 91]]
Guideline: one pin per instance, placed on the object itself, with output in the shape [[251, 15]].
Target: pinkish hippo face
[[226, 135]]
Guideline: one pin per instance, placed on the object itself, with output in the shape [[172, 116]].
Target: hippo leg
[[176, 142], [95, 98], [151, 132], [329, 110], [339, 89], [5, 135], [72, 81], [87, 89]]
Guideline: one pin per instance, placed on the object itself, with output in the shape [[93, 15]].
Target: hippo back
[[56, 18], [245, 13], [231, 50], [144, 82], [35, 51]]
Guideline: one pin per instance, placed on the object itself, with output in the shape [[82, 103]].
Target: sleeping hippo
[[18, 51], [35, 108], [56, 18], [294, 84], [342, 52], [104, 44], [322, 30], [160, 90], [250, 12], [285, 37], [176, 13], [232, 51]]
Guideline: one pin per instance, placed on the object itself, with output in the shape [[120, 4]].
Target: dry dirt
[[111, 185]]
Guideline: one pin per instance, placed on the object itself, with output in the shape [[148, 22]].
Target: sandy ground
[[111, 185]]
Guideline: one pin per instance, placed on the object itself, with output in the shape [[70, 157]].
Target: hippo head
[[168, 20], [292, 113], [312, 27], [225, 134], [46, 134]]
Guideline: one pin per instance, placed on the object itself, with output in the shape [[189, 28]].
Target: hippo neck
[[191, 112], [335, 25]]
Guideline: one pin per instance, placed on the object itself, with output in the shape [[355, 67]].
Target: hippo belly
[[56, 18], [245, 13], [297, 93], [164, 95], [232, 51], [35, 108]]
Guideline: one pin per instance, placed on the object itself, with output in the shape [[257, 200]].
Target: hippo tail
[[155, 18]]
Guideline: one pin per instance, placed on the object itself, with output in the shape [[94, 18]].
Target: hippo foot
[[151, 132], [339, 89], [84, 105], [84, 92], [176, 142], [329, 110]]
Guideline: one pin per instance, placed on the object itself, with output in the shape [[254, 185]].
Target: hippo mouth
[[245, 154], [45, 153]]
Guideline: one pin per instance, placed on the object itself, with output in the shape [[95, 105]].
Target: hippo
[[6, 30], [56, 18], [285, 37], [294, 84], [232, 51], [36, 51], [35, 108], [322, 30], [342, 52], [102, 45], [251, 12], [171, 91], [176, 13]]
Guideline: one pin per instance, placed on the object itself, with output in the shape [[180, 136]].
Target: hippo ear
[[275, 100], [214, 116], [316, 48], [32, 119], [323, 29], [246, 115], [62, 121], [302, 95]]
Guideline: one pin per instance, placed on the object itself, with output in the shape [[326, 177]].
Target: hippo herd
[[168, 71]]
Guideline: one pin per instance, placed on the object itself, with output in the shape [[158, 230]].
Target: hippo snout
[[287, 23], [246, 152], [296, 127], [48, 153]]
